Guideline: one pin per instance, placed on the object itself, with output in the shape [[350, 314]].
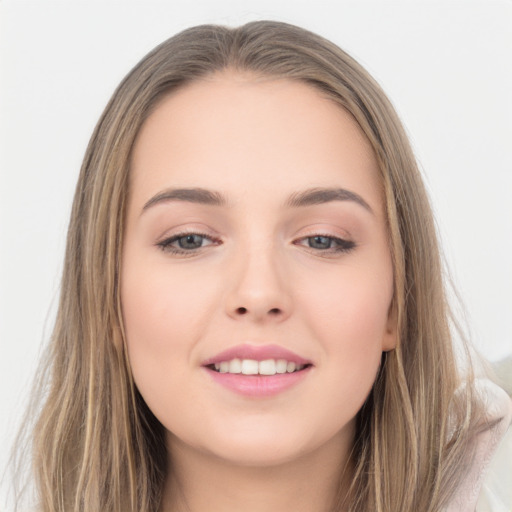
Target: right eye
[[185, 243]]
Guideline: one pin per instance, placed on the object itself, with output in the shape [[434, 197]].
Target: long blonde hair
[[97, 446]]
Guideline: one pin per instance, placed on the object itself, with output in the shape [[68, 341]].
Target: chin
[[253, 455], [267, 444]]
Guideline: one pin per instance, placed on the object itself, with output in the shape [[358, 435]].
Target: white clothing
[[483, 490]]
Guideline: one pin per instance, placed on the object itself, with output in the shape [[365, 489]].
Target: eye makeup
[[190, 243]]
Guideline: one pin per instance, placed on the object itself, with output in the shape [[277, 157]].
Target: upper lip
[[257, 353]]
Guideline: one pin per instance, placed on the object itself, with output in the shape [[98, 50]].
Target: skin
[[259, 278]]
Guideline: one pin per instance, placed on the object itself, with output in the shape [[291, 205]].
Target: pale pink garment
[[499, 406]]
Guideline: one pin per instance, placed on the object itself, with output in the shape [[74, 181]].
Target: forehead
[[234, 129]]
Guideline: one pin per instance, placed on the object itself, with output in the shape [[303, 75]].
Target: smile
[[257, 371], [253, 367]]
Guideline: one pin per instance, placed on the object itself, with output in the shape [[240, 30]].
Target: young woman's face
[[256, 243]]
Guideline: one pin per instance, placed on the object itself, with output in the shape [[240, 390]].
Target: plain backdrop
[[445, 65]]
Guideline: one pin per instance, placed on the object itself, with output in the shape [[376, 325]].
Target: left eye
[[320, 242], [327, 243]]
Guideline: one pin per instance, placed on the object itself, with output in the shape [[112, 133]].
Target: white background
[[445, 65]]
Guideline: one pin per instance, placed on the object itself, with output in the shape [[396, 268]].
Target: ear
[[390, 338]]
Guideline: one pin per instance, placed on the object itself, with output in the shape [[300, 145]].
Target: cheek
[[350, 326], [162, 309], [161, 328], [148, 310], [348, 315], [160, 317], [166, 313], [350, 306]]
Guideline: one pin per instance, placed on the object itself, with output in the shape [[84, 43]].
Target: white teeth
[[281, 365], [267, 367], [253, 367], [249, 367], [290, 367], [235, 366]]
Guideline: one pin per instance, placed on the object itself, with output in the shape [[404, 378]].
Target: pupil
[[320, 242], [190, 241]]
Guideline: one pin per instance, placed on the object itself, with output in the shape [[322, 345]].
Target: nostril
[[273, 312]]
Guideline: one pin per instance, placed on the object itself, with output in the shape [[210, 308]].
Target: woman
[[252, 310]]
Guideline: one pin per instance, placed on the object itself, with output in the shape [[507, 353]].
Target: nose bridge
[[258, 287]]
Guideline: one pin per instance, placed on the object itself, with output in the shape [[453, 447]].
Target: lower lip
[[259, 386]]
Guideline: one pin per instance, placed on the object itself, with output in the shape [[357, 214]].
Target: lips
[[257, 353], [257, 371]]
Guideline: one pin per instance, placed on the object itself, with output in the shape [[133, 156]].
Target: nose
[[259, 290]]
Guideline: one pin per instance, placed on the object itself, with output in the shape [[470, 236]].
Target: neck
[[199, 482]]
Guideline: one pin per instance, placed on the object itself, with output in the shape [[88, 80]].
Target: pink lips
[[256, 352], [257, 386]]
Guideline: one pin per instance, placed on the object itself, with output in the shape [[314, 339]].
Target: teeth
[[281, 365], [249, 367], [253, 367], [267, 367], [235, 366]]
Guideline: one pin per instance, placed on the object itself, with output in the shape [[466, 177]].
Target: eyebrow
[[309, 197], [190, 195], [325, 195]]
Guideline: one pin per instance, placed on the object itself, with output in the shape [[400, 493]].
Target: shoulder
[[498, 414]]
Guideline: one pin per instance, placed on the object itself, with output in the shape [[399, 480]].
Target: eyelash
[[343, 246], [165, 245]]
